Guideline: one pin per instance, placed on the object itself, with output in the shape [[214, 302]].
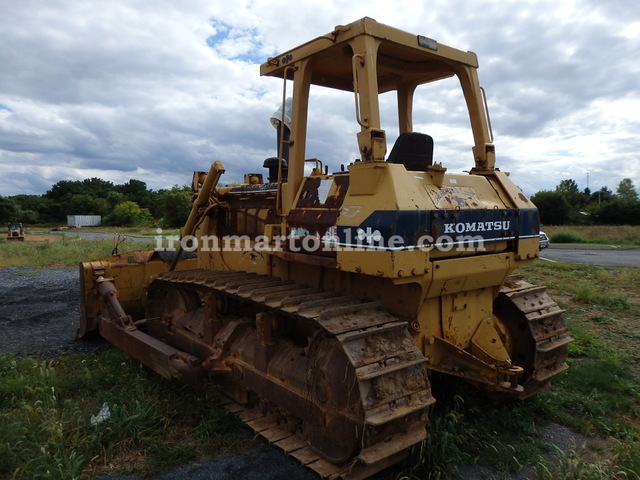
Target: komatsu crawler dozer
[[321, 302]]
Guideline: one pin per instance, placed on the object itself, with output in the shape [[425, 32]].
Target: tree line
[[128, 204], [568, 205], [132, 203]]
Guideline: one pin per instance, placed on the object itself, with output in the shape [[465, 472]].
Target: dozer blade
[[132, 272]]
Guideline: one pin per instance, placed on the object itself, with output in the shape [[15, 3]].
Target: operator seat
[[413, 150]]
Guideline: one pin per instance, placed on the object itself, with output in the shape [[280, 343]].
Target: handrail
[[486, 112], [356, 89], [282, 140]]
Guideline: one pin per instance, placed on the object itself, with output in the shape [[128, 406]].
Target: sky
[[154, 90]]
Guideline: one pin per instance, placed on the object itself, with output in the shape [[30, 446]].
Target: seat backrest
[[413, 150]]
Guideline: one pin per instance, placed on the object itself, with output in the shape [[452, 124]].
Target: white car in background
[[544, 240]]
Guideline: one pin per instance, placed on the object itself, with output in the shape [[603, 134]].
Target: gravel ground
[[39, 311], [256, 465], [39, 316]]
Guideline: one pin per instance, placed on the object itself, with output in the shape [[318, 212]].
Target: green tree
[[55, 211], [623, 208], [553, 207], [32, 208], [79, 204], [618, 212], [626, 191], [568, 186], [96, 187], [8, 210], [174, 206], [572, 194], [63, 188], [114, 198], [127, 214], [576, 199], [137, 191], [101, 206], [602, 195]]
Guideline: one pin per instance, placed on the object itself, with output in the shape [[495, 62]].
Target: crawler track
[[538, 332], [347, 397]]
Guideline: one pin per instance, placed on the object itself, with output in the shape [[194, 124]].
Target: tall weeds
[[62, 251]]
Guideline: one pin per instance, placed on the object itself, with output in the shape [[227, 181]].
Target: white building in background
[[78, 221]]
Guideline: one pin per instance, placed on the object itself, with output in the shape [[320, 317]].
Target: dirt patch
[[39, 238]]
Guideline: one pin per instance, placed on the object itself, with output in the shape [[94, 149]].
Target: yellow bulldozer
[[15, 232], [321, 302]]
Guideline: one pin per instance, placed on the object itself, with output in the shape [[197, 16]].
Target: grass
[[598, 397], [151, 431], [154, 425], [621, 235], [567, 237], [61, 250], [137, 230]]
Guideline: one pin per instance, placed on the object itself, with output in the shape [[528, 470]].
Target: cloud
[[153, 91]]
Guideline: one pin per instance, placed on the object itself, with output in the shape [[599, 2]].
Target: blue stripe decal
[[401, 230]]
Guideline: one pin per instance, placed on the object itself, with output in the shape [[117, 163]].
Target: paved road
[[593, 255]]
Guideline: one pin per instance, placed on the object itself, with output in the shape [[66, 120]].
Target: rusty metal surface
[[246, 213], [344, 378], [319, 203], [160, 357], [131, 272], [312, 195], [118, 327]]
